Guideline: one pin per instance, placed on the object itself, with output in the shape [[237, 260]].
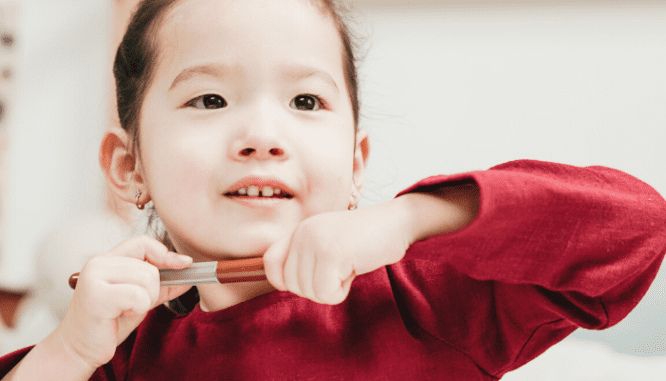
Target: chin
[[255, 247], [260, 237], [238, 246], [240, 241]]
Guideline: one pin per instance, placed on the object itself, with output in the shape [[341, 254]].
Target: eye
[[208, 101], [306, 102]]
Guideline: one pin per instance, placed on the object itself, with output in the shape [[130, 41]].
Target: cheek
[[330, 174], [178, 171]]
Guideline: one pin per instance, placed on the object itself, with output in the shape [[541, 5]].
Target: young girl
[[240, 125]]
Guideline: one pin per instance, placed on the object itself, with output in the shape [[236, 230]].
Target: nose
[[273, 152], [260, 138]]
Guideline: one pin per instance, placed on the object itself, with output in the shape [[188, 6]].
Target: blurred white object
[[579, 360], [67, 249], [59, 113], [62, 253], [35, 321]]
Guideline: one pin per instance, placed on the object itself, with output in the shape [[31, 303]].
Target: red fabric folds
[[554, 248]]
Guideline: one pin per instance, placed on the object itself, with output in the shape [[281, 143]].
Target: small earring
[[353, 205], [138, 196]]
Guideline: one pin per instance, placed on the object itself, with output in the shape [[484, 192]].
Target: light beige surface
[[578, 360], [408, 3]]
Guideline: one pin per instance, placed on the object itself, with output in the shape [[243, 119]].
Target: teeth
[[255, 191]]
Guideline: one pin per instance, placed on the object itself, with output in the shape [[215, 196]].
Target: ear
[[361, 153], [121, 167]]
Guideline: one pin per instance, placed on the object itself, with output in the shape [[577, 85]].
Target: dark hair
[[137, 55], [134, 62], [339, 12]]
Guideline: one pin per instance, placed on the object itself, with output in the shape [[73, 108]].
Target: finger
[[331, 286], [117, 270], [306, 268], [111, 270], [170, 293], [346, 285], [274, 262], [291, 273], [128, 300], [148, 249]]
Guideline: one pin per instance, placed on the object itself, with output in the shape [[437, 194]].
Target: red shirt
[[554, 247]]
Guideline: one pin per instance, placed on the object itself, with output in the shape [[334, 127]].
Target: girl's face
[[248, 98]]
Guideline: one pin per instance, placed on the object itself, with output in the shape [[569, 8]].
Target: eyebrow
[[304, 72], [219, 70], [208, 70]]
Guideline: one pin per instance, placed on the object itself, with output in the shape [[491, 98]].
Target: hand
[[114, 293], [325, 252]]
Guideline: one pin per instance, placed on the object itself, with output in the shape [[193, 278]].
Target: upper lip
[[259, 182]]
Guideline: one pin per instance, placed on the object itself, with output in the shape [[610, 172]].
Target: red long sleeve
[[553, 248]]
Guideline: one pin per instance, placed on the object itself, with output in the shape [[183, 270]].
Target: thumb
[[274, 260], [170, 293], [173, 261]]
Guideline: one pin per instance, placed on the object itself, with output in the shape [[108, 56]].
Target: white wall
[[59, 112], [450, 89]]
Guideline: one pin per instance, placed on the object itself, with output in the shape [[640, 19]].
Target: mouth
[[259, 188], [265, 191]]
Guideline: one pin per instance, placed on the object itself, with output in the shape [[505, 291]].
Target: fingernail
[[182, 259]]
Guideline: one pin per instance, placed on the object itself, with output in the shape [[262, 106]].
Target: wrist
[[60, 348], [51, 357], [69, 353], [439, 211]]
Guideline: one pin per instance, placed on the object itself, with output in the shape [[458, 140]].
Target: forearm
[[540, 220], [443, 210], [51, 359]]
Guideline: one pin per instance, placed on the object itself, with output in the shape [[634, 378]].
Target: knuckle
[[289, 283], [154, 274], [92, 268], [270, 259], [149, 275], [144, 238], [95, 261], [320, 294], [332, 298], [144, 241], [140, 300], [292, 285], [329, 292]]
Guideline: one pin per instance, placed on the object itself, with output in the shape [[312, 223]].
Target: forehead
[[284, 31]]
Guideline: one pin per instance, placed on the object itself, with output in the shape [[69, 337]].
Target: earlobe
[[361, 154], [120, 166]]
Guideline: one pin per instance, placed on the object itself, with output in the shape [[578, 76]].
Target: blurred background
[[447, 86]]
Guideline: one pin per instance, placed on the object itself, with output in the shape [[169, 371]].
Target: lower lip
[[259, 202]]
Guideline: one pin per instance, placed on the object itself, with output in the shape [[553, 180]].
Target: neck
[[215, 297]]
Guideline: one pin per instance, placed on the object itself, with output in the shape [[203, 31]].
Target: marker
[[229, 271]]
